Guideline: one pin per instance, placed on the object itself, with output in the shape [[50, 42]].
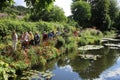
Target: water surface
[[72, 67]]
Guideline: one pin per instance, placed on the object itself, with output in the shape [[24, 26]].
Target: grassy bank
[[20, 59]]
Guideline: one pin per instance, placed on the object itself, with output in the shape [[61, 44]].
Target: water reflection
[[112, 73], [80, 69], [65, 73], [90, 69], [72, 67]]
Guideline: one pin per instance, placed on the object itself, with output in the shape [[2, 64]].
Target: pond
[[72, 67]]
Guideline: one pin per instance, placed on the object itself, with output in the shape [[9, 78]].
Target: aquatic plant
[[36, 75]]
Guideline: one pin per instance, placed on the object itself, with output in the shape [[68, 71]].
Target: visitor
[[37, 38], [45, 36], [26, 40], [22, 40], [50, 35], [31, 38], [14, 40], [58, 33]]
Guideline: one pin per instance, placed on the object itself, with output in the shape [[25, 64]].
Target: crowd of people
[[28, 38]]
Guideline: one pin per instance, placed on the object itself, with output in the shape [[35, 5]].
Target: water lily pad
[[90, 47], [110, 39], [89, 56], [114, 48], [112, 45], [36, 75]]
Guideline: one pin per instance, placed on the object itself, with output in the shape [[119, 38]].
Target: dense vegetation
[[89, 19], [102, 14]]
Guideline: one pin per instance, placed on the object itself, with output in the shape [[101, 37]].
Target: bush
[[7, 26], [19, 65], [90, 36], [109, 33], [60, 43], [6, 71]]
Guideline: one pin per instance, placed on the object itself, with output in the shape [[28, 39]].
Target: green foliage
[[31, 74], [8, 59], [114, 10], [17, 10], [5, 3], [107, 23], [90, 36], [72, 46], [110, 33], [114, 14], [7, 26], [81, 12], [42, 61], [116, 25], [60, 42], [37, 6], [33, 56], [19, 65], [55, 14], [100, 14], [104, 13], [6, 71], [72, 22], [48, 52]]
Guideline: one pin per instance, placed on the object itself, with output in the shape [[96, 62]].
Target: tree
[[39, 5], [116, 24], [113, 11], [5, 3], [54, 14], [57, 14], [100, 14], [81, 12]]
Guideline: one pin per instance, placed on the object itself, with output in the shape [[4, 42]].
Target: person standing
[[31, 39], [22, 40], [14, 40], [37, 38], [26, 40], [45, 36]]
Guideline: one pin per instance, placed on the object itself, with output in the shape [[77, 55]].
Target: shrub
[[19, 65], [6, 71], [60, 43], [90, 36]]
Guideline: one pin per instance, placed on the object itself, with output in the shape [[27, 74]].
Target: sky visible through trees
[[60, 3]]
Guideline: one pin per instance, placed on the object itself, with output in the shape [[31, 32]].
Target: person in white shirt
[[14, 40]]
